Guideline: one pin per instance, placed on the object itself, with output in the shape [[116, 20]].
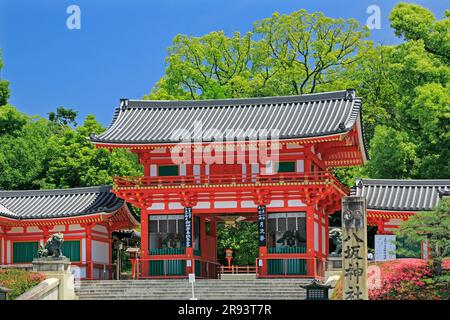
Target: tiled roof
[[302, 116], [401, 195], [43, 204]]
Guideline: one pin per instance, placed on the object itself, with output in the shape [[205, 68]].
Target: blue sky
[[121, 46]]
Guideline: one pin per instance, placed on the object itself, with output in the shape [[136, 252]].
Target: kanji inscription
[[354, 248]]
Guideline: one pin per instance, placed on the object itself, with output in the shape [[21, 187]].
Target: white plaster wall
[[295, 203], [100, 251], [58, 229], [34, 229], [276, 203], [316, 236], [8, 252], [153, 170], [83, 250], [100, 228], [175, 205], [182, 169], [156, 206], [74, 227], [16, 230], [248, 204], [323, 240], [203, 205], [225, 204], [300, 166], [244, 168]]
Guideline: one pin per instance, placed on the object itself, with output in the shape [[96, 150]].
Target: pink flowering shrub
[[403, 279], [19, 281]]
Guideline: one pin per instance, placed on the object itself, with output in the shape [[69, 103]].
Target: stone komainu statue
[[52, 247], [336, 235]]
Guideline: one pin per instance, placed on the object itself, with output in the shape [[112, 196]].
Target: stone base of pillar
[[58, 268]]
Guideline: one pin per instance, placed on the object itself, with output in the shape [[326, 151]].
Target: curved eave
[[146, 145], [95, 217], [134, 219], [109, 210]]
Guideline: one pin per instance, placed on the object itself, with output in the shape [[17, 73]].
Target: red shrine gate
[[289, 191]]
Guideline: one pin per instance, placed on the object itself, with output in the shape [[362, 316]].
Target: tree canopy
[[405, 90], [282, 55], [404, 87], [38, 153], [432, 227], [4, 86]]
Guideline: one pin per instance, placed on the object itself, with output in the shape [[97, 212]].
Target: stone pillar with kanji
[[354, 248]]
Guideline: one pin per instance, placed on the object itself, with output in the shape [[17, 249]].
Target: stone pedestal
[[58, 268]]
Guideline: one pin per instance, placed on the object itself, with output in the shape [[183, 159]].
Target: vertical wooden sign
[[354, 248], [188, 226], [262, 226]]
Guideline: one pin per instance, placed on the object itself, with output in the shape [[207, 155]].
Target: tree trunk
[[437, 266]]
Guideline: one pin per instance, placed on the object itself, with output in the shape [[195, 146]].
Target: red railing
[[227, 179], [237, 269]]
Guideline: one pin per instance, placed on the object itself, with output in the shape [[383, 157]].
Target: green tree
[[4, 86], [414, 80], [242, 238], [23, 152], [63, 116], [433, 227], [75, 162], [393, 155], [11, 120], [413, 22], [283, 55]]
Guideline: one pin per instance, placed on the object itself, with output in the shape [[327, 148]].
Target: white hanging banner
[[385, 247]]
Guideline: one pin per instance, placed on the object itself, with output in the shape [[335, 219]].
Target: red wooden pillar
[[310, 270], [146, 169], [45, 233], [5, 244], [144, 270], [90, 265], [319, 229], [327, 235], [2, 246]]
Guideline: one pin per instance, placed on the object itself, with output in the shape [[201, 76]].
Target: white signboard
[[384, 247]]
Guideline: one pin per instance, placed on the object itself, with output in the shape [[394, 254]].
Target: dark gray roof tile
[[303, 116], [401, 195], [42, 204]]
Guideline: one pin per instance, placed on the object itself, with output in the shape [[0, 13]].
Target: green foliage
[[413, 22], [11, 120], [37, 153], [432, 226], [63, 116], [75, 162], [392, 154], [19, 281], [23, 154], [404, 87], [4, 87], [413, 83], [284, 54], [242, 238]]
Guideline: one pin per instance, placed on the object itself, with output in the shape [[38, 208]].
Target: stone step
[[180, 289]]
